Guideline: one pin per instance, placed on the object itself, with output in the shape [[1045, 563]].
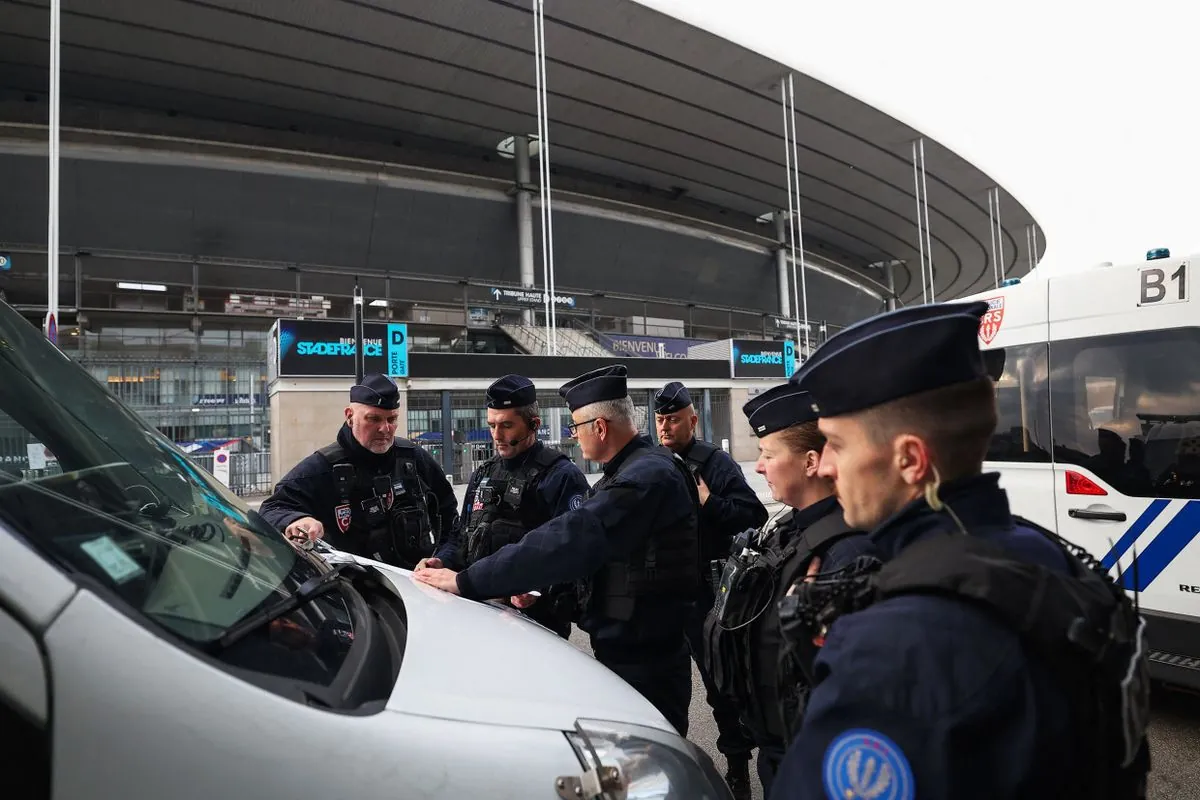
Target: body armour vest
[[1081, 625], [505, 505], [385, 516], [742, 638], [667, 564]]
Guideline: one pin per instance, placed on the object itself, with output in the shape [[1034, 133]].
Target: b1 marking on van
[[1159, 286], [989, 325]]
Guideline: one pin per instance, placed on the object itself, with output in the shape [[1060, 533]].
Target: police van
[[1098, 392]]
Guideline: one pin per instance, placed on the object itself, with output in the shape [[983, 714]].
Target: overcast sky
[[1084, 111]]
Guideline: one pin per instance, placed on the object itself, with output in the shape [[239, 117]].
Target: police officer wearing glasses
[[632, 543], [980, 656], [369, 493], [524, 485], [728, 506]]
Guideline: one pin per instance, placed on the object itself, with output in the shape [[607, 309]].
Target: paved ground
[[1175, 728]]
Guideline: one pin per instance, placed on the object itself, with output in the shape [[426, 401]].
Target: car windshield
[[115, 504]]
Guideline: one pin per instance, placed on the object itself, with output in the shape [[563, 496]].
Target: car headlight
[[632, 762]]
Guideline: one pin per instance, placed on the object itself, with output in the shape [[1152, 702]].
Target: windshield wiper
[[308, 591]]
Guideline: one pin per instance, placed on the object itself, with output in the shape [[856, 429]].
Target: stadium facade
[[228, 163]]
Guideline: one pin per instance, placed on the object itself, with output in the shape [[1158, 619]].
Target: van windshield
[[115, 504]]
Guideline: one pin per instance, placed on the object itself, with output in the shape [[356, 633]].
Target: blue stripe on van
[[1166, 546], [1135, 530]]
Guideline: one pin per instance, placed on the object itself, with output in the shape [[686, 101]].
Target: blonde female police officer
[[743, 640], [1008, 693]]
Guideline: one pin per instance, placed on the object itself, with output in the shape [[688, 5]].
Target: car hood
[[478, 662]]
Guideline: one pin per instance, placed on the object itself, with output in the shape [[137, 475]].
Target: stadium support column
[[781, 264], [524, 218]]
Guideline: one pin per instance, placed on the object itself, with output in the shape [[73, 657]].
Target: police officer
[[369, 493], [633, 543], [985, 657], [742, 635], [728, 506], [519, 488]]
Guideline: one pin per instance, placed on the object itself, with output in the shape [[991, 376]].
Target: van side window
[[1022, 403], [1127, 407]]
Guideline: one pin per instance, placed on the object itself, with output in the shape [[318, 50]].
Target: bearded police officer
[[728, 506], [525, 484], [632, 542], [369, 493], [984, 657], [743, 641]]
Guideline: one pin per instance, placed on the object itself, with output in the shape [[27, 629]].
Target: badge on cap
[[342, 514], [865, 763]]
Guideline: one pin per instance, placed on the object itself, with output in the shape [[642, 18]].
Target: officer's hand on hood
[[524, 600], [305, 529], [444, 579]]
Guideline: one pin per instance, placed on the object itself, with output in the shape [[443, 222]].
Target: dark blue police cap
[[671, 398], [606, 383], [376, 390], [777, 408], [894, 355], [511, 391]]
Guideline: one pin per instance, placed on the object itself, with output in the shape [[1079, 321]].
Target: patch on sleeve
[[575, 502], [862, 764]]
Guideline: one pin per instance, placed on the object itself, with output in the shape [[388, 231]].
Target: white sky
[[1085, 111]]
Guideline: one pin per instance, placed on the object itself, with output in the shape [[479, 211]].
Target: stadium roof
[[644, 110]]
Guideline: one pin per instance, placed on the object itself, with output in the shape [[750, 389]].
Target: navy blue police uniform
[[508, 497], [394, 507], [765, 681], [939, 693], [632, 544], [732, 507]]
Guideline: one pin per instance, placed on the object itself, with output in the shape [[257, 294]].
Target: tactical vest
[[504, 503], [742, 640], [1081, 626], [387, 517], [666, 564]]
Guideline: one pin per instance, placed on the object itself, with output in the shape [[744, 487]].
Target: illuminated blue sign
[[397, 350]]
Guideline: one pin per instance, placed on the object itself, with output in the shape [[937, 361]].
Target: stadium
[[229, 167]]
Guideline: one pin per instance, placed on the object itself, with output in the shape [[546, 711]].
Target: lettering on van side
[[1183, 587], [1157, 286]]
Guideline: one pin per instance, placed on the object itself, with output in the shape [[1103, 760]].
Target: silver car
[[158, 639]]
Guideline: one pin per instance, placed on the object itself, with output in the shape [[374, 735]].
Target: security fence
[[249, 473]]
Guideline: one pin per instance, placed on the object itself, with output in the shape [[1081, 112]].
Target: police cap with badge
[[376, 390], [777, 408], [511, 391], [894, 355], [596, 386], [672, 398]]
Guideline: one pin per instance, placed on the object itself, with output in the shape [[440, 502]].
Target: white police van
[[1098, 388]]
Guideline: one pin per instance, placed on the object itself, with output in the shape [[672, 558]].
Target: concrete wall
[[743, 444]]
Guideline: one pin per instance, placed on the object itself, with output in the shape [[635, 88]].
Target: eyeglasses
[[573, 427]]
